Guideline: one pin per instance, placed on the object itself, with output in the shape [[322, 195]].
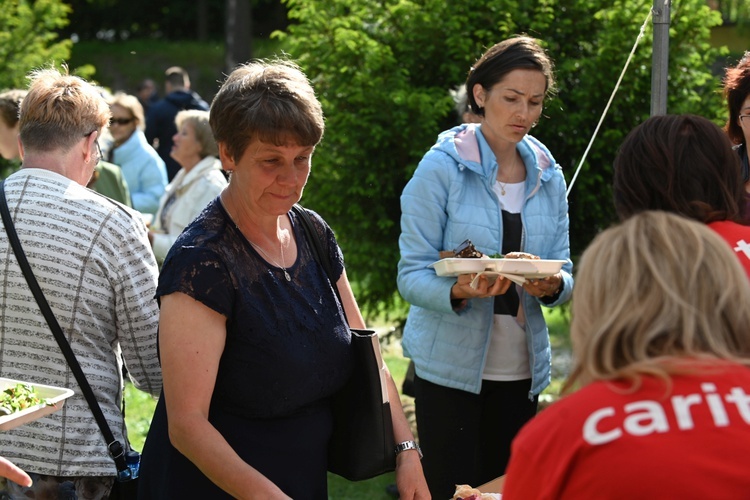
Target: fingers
[[545, 287], [9, 470]]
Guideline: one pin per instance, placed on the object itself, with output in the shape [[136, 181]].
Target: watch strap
[[408, 445]]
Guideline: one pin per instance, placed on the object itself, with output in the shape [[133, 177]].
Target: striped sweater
[[93, 261]]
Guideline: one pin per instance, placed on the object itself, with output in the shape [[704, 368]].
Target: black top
[[287, 351], [508, 302]]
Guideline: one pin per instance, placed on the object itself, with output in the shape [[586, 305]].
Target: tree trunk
[[202, 21], [238, 33]]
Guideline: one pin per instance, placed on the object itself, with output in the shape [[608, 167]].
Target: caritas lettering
[[646, 417]]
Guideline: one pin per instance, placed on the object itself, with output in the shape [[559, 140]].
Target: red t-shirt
[[738, 237], [605, 441]]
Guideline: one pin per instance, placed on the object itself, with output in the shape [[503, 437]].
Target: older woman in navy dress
[[253, 340]]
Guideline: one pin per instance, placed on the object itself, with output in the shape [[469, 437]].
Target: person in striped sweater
[[93, 261]]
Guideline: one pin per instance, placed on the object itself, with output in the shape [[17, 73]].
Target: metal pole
[[660, 57]]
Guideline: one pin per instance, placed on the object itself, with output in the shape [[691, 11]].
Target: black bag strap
[[116, 450], [320, 255]]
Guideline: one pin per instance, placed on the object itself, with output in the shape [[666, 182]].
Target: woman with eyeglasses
[[94, 264], [737, 95], [144, 171]]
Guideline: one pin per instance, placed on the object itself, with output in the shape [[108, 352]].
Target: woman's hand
[[544, 287], [11, 471], [462, 288], [410, 477]]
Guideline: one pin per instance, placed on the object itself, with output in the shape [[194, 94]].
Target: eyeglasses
[[98, 151], [120, 121], [742, 118], [98, 148]]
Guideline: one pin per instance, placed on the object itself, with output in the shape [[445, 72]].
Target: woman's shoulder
[[544, 158], [207, 227], [145, 150], [454, 146], [315, 218]]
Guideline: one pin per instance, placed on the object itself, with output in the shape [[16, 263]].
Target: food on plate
[[521, 255], [466, 492], [467, 250], [19, 397]]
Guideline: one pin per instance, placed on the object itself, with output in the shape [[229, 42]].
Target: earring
[[534, 124]]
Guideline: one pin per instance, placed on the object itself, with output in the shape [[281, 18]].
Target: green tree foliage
[[28, 40], [733, 11], [116, 20], [382, 69]]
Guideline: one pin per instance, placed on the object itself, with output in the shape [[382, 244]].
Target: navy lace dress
[[287, 351]]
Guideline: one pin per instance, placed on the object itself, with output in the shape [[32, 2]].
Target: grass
[[140, 408]]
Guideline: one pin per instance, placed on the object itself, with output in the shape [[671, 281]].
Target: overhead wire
[[611, 98]]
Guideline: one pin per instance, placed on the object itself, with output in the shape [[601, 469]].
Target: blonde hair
[[651, 291], [198, 119], [131, 104], [59, 110]]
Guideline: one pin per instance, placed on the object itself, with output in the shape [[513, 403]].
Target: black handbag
[[125, 485], [362, 445]]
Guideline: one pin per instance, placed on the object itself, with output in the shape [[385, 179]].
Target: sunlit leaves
[[382, 70]]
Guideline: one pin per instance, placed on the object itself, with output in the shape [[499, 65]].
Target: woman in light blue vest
[[482, 353]]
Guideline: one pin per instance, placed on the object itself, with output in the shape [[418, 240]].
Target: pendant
[[502, 191], [286, 275]]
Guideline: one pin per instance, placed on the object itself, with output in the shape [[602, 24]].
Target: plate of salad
[[22, 402]]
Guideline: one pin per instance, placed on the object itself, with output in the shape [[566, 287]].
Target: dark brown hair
[[520, 52], [736, 90], [177, 77], [678, 163], [10, 104], [269, 101]]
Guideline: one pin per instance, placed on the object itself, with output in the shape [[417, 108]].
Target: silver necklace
[[281, 247], [257, 247], [512, 169]]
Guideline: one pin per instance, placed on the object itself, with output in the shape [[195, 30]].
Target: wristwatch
[[409, 445]]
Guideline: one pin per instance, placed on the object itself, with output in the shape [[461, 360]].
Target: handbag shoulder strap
[[320, 255], [115, 448]]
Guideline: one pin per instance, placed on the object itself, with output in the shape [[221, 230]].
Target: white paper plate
[[527, 268], [54, 395]]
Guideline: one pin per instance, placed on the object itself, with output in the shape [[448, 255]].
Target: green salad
[[19, 397]]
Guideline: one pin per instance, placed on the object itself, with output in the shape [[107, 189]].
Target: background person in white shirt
[[199, 180]]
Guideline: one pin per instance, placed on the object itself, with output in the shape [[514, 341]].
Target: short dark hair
[[269, 101], [736, 90], [10, 105], [177, 77], [519, 52], [682, 164]]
